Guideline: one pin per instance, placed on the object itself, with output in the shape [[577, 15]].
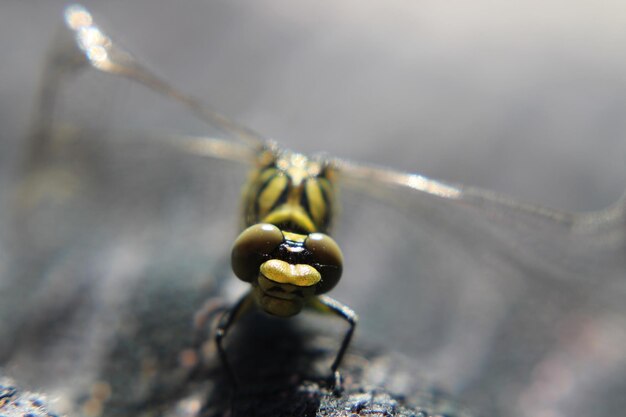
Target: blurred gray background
[[525, 98], [520, 97]]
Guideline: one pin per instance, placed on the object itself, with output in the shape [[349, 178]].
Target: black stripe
[[304, 200], [262, 187]]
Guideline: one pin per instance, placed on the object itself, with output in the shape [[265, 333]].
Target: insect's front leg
[[204, 318], [226, 321], [327, 304]]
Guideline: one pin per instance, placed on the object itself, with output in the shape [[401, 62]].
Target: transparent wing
[[500, 299], [104, 222], [122, 220]]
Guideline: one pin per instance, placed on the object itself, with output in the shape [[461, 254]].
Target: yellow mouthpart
[[302, 275]]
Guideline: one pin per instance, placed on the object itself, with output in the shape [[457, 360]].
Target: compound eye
[[252, 248], [327, 258]]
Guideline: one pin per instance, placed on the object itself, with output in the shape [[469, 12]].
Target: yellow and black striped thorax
[[291, 191]]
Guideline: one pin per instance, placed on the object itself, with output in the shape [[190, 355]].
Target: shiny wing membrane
[[493, 299], [500, 299]]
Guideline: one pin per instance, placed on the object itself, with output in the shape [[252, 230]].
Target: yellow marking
[[271, 193], [287, 292], [289, 213], [294, 237], [287, 178], [317, 205], [327, 187], [282, 272], [265, 175]]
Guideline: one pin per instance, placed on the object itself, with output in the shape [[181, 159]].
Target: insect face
[[286, 269]]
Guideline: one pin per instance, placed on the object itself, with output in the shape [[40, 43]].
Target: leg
[[226, 321], [203, 319], [329, 305], [195, 358]]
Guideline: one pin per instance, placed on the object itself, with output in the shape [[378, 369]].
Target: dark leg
[[226, 321], [330, 305], [204, 318], [203, 325]]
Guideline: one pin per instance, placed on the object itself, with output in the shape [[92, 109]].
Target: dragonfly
[[558, 267]]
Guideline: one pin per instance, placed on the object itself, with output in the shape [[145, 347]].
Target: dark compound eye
[[328, 260], [252, 248]]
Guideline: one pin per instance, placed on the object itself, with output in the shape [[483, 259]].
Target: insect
[[510, 276], [284, 252]]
